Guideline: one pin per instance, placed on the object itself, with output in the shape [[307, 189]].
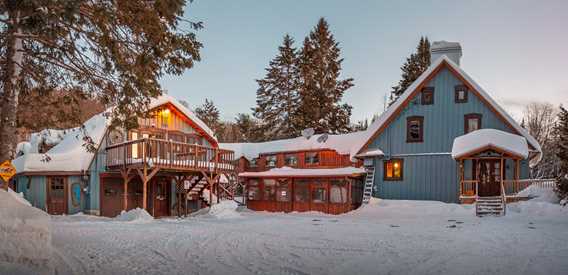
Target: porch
[[168, 174]]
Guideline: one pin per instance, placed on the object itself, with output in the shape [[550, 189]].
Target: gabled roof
[[70, 155], [342, 144], [380, 124], [483, 139]]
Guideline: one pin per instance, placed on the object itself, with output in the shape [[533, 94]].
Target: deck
[[169, 156], [469, 189]]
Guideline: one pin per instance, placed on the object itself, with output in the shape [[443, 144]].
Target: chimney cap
[[452, 50], [443, 45]]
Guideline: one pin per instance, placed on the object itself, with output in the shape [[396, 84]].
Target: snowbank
[[225, 210], [137, 215], [540, 194], [25, 236], [483, 138]]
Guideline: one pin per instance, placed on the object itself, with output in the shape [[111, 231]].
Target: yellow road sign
[[7, 170]]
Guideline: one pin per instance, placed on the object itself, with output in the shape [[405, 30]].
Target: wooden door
[[284, 195], [161, 198], [57, 195], [302, 198], [320, 197], [489, 178]]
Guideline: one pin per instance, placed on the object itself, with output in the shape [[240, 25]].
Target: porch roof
[[484, 139], [292, 172]]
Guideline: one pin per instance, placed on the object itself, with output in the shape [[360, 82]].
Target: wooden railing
[[169, 154], [510, 188]]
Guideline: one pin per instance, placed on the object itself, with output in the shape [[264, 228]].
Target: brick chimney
[[452, 50]]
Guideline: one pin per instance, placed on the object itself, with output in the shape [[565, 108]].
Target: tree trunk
[[9, 95]]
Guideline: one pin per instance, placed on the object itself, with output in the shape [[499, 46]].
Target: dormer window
[[427, 96], [460, 94], [253, 163], [415, 129], [271, 161]]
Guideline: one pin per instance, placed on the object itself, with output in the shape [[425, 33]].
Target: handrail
[[503, 197]]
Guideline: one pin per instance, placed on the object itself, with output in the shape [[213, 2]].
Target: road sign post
[[7, 171]]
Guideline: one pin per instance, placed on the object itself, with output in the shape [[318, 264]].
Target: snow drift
[[137, 215], [225, 210], [24, 236]]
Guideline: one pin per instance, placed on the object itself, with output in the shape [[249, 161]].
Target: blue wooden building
[[411, 151]]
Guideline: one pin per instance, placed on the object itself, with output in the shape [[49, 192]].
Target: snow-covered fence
[[513, 187]]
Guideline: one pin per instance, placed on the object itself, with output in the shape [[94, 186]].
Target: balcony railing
[[169, 155], [512, 188]]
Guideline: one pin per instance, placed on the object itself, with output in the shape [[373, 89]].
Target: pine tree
[[321, 90], [414, 66], [562, 153], [102, 47], [210, 115], [249, 128], [277, 94]]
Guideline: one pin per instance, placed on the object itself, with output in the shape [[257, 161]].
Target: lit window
[[291, 160], [312, 158], [271, 161], [414, 129], [472, 122], [253, 190], [428, 96], [460, 94], [393, 169]]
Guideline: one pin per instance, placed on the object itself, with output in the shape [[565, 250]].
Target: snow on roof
[[484, 138], [371, 153], [163, 99], [292, 172], [343, 144], [384, 117], [70, 154]]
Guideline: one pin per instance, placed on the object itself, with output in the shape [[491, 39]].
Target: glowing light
[[396, 165], [166, 112]]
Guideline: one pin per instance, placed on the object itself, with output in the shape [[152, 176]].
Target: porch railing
[[169, 154], [510, 188]]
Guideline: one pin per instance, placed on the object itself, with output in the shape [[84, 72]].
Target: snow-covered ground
[[386, 237]]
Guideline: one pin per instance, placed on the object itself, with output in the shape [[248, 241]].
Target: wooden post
[[501, 175], [462, 176], [478, 179], [145, 188]]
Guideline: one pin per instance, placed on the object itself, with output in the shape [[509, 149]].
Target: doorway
[[489, 178], [161, 198], [57, 195]]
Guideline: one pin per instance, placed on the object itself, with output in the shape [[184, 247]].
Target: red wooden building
[[319, 173]]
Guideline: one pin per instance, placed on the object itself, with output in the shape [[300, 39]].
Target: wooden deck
[[169, 156], [511, 188]]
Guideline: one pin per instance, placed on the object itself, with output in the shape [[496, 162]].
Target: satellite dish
[[323, 138], [308, 133]]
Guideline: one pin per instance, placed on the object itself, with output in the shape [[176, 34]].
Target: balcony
[[169, 156]]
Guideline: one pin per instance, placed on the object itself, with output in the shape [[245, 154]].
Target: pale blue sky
[[516, 50]]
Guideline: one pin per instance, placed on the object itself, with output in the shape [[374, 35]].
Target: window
[[312, 158], [338, 191], [427, 96], [414, 129], [134, 151], [460, 94], [253, 190], [269, 189], [271, 161], [472, 122], [393, 169], [319, 194], [291, 160], [302, 191], [283, 191], [253, 163]]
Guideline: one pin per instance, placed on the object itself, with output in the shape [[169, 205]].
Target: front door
[[161, 198], [489, 178], [56, 195]]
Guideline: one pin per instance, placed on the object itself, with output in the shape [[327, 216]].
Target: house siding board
[[429, 176], [97, 167], [36, 194]]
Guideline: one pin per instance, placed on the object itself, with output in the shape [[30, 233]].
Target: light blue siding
[[97, 166], [79, 206], [34, 189], [429, 171]]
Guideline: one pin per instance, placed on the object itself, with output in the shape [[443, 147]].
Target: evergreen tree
[[102, 47], [321, 90], [209, 114], [248, 128], [414, 66], [562, 153], [277, 94]]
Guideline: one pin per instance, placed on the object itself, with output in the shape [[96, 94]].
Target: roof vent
[[452, 50], [308, 133]]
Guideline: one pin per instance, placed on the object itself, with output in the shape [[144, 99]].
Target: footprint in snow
[[452, 226], [333, 220], [315, 220], [459, 222], [532, 227], [451, 220], [394, 225]]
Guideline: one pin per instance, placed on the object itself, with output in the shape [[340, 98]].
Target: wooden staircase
[[494, 206], [368, 188]]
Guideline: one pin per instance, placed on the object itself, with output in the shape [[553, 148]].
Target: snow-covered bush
[[562, 189]]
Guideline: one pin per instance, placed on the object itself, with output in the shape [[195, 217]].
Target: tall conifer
[[414, 66]]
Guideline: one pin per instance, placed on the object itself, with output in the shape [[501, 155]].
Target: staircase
[[494, 206], [368, 188]]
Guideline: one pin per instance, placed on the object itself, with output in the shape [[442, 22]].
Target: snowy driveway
[[393, 237]]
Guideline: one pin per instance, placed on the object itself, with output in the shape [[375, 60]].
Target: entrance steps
[[494, 206]]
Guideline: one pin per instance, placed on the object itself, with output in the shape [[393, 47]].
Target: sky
[[516, 50]]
